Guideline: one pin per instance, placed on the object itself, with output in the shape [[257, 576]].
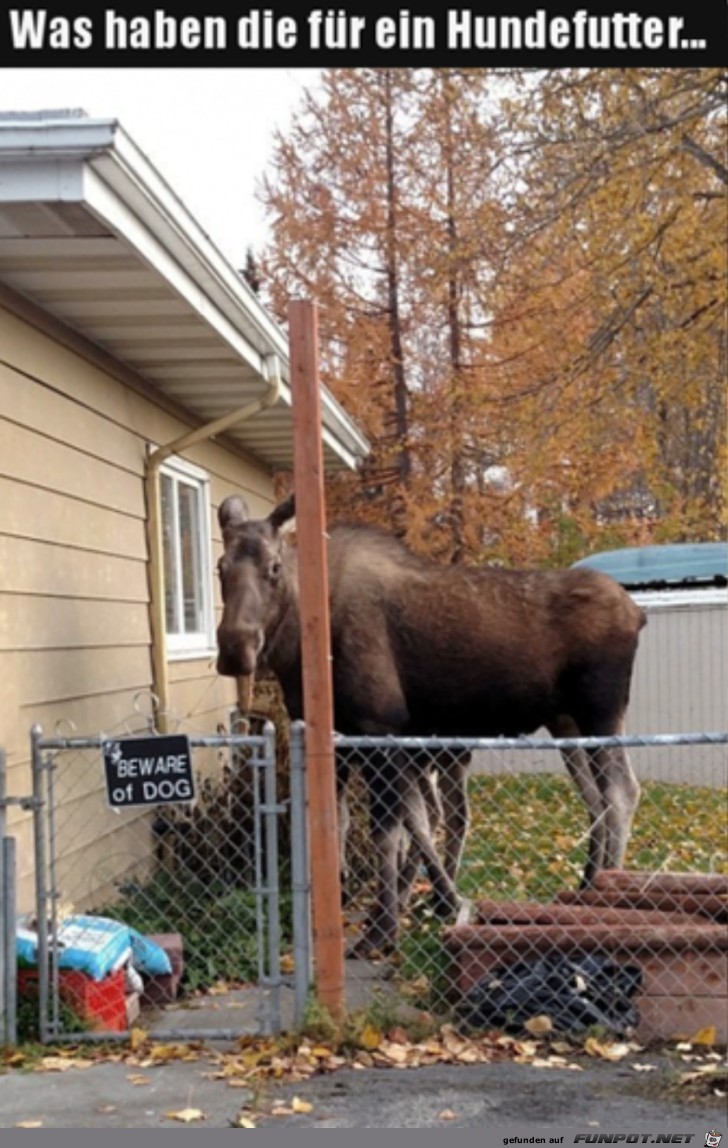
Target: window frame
[[189, 645]]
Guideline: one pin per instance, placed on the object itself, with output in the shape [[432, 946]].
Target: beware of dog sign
[[148, 771]]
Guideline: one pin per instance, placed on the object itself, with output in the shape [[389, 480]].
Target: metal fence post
[[300, 883], [272, 811], [10, 954], [41, 892]]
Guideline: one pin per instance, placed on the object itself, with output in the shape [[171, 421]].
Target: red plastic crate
[[102, 1004]]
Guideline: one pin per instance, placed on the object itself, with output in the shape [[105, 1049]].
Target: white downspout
[[160, 669]]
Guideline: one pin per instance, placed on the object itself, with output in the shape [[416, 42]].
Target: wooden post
[[328, 938]]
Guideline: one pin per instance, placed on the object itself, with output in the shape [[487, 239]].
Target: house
[[141, 381]]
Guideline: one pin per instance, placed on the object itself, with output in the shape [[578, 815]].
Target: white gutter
[[160, 667], [124, 189]]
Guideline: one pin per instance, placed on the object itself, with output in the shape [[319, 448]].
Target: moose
[[423, 649]]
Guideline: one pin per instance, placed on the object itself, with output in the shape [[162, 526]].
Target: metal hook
[[64, 723], [154, 706]]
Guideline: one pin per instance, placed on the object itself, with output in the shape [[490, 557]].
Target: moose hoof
[[371, 944]]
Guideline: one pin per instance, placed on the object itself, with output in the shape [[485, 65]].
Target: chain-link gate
[[202, 877], [464, 864]]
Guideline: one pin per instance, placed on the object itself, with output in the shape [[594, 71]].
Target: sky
[[208, 132]]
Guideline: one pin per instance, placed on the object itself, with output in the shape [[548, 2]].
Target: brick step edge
[[714, 907], [518, 939], [641, 881], [490, 912]]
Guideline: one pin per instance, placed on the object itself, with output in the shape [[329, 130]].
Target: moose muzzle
[[238, 651]]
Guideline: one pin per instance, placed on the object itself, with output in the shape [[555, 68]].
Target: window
[[187, 566]]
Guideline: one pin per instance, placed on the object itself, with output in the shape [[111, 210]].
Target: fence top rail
[[218, 741], [569, 743]]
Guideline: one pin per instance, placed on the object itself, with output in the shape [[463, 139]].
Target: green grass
[[528, 835]]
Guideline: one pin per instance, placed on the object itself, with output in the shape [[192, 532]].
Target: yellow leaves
[[186, 1115], [29, 1124], [138, 1080], [244, 1121], [705, 1035], [62, 1063], [606, 1051], [301, 1106], [539, 1025], [370, 1038], [137, 1038]]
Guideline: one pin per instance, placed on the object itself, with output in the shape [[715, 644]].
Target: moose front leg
[[386, 827]]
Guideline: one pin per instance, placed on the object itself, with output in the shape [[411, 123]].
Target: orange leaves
[[527, 323]]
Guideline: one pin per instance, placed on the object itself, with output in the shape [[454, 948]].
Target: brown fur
[[428, 650]]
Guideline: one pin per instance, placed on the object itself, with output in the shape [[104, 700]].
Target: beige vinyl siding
[[75, 646]]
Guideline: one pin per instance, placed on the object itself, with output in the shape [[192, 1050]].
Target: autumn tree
[[378, 196], [337, 193], [611, 309], [520, 282]]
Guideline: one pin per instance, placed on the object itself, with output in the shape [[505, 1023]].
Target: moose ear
[[282, 513], [232, 512]]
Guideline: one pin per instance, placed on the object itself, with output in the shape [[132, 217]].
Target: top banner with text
[[539, 35]]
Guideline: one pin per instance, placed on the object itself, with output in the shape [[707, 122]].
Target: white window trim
[[187, 647]]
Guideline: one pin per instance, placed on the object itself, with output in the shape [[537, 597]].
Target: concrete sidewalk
[[503, 1097]]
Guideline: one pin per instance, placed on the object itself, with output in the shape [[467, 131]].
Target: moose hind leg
[[417, 822], [619, 792], [412, 860], [452, 780], [580, 768]]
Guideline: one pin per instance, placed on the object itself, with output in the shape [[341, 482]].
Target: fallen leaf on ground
[[244, 1122], [61, 1064], [705, 1035], [396, 1053], [370, 1038], [301, 1105], [538, 1025], [185, 1115], [165, 1052], [594, 1047], [139, 1080], [644, 1067], [29, 1124], [447, 1114]]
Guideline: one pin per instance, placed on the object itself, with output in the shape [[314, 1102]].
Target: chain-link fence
[[463, 863], [183, 855], [489, 883]]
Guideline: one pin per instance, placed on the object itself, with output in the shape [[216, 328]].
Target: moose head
[[253, 582]]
